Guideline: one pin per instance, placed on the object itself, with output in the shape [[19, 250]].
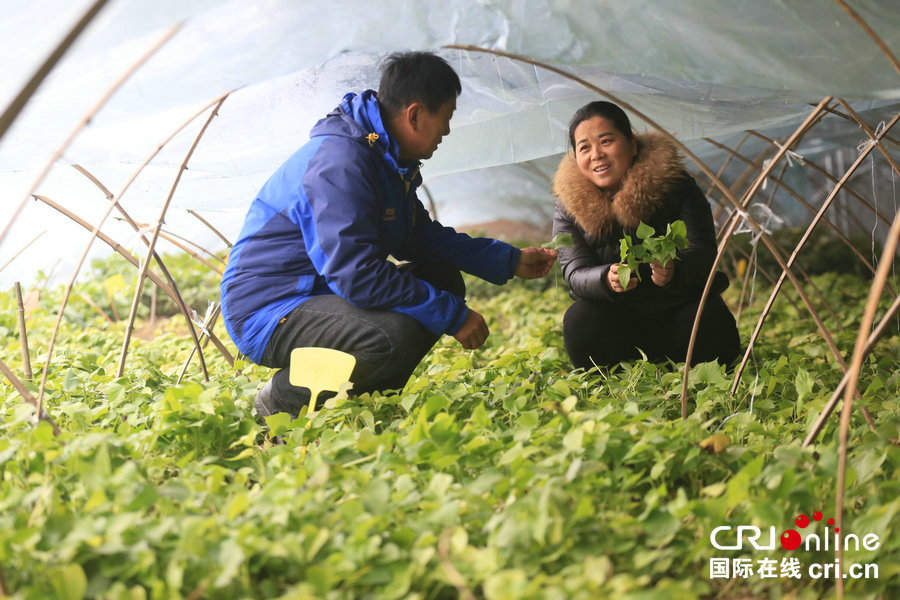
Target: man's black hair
[[600, 108], [408, 77]]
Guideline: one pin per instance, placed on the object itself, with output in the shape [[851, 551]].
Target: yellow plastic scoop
[[319, 370]]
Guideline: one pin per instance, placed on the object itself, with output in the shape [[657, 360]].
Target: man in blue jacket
[[310, 266]]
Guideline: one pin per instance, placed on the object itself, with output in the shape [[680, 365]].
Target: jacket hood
[[359, 117], [657, 170]]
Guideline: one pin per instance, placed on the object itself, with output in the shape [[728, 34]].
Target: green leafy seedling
[[662, 248], [560, 240]]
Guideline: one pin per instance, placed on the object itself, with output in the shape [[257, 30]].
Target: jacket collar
[[366, 112], [657, 170]]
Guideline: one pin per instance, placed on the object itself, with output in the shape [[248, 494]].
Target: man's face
[[429, 129]]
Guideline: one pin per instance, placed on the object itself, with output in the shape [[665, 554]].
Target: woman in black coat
[[609, 183]]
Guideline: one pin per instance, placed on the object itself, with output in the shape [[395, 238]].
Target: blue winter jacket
[[325, 223]]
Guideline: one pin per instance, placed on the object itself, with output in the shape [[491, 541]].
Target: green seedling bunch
[[662, 248]]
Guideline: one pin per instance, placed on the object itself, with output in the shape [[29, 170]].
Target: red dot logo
[[802, 521], [817, 516], [790, 540]]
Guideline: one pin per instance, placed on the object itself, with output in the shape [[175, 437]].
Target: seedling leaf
[[560, 240]]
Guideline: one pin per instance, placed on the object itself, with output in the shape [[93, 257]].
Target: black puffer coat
[[656, 190]]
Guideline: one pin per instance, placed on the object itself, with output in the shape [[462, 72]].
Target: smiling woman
[[611, 183]]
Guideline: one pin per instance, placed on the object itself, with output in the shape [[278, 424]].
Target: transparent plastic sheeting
[[699, 68]]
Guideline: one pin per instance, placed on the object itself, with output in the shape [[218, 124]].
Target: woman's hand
[[612, 279], [660, 275]]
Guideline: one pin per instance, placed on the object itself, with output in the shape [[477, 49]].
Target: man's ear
[[412, 113]]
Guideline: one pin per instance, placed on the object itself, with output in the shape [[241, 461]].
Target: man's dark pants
[[387, 345]]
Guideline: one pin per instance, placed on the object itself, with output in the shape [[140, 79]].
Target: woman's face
[[603, 153]]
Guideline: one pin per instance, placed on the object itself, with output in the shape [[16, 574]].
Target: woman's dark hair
[[408, 77], [600, 108]]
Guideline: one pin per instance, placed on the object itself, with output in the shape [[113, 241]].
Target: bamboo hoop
[[793, 256], [207, 327], [803, 273], [806, 126], [18, 103], [817, 113], [94, 234], [23, 249], [172, 236], [29, 398], [834, 181], [171, 289], [725, 163], [736, 186], [733, 221], [138, 226], [160, 283], [181, 243], [872, 34], [752, 261], [837, 113], [84, 122], [99, 310], [859, 354], [23, 334], [208, 224], [779, 183], [139, 286], [838, 393]]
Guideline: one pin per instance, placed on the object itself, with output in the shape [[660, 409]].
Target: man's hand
[[535, 262], [473, 331], [612, 279], [662, 276]]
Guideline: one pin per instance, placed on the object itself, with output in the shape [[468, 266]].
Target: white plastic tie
[[202, 324], [764, 217], [135, 244], [790, 155], [867, 143]]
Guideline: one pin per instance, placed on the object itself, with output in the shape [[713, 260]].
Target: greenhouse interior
[[136, 141]]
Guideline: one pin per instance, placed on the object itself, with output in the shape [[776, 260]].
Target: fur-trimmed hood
[[658, 169]]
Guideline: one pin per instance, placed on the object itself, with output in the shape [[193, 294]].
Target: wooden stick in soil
[[143, 271], [23, 334], [84, 122], [859, 354]]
